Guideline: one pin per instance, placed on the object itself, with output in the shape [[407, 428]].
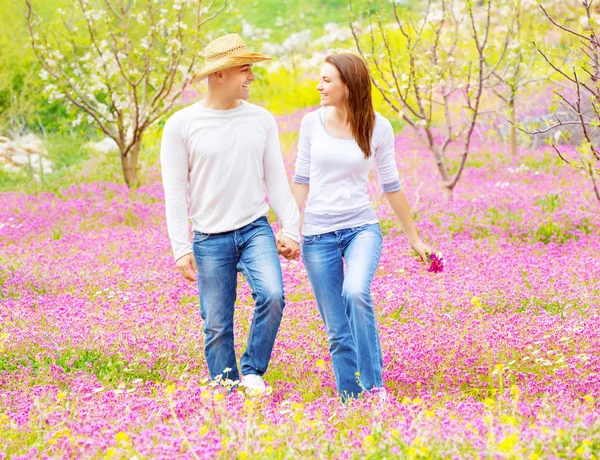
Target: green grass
[[109, 369]]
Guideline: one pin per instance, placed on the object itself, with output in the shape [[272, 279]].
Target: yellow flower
[[170, 389], [507, 445], [218, 397], [589, 399], [320, 363], [243, 455], [122, 437], [515, 390], [509, 420], [369, 441], [60, 396], [203, 430], [476, 301], [429, 413], [489, 402]]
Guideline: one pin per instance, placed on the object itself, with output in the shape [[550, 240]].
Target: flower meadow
[[496, 356]]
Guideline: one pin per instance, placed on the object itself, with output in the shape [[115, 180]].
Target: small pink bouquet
[[437, 264]]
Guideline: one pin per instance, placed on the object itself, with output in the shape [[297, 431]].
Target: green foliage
[[549, 202], [109, 369], [551, 231], [75, 163], [294, 16], [23, 106]]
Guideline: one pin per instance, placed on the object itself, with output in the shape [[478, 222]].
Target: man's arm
[[278, 190], [174, 166]]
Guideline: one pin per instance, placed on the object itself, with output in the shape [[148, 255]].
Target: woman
[[337, 146]]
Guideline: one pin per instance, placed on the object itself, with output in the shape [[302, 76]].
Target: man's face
[[237, 81]]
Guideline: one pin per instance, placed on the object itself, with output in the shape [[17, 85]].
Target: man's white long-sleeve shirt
[[219, 162]]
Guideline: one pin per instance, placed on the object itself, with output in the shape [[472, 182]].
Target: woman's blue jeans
[[345, 304], [219, 257]]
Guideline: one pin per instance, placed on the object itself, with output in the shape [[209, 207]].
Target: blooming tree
[[415, 69], [521, 66], [580, 97], [123, 63]]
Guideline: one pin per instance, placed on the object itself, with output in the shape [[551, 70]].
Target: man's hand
[[187, 267], [421, 249], [287, 247]]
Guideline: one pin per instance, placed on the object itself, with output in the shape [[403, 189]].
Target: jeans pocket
[[260, 222], [375, 228], [200, 237], [308, 239]]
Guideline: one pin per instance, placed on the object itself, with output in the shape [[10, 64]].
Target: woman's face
[[331, 87]]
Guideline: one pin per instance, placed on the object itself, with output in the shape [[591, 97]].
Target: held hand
[[187, 266], [287, 247], [422, 250]]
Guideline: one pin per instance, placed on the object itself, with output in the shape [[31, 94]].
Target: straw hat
[[225, 52]]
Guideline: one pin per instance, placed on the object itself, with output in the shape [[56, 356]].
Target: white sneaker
[[254, 384], [381, 394]]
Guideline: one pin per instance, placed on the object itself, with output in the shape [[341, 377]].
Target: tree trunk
[[129, 163], [513, 126], [447, 193]]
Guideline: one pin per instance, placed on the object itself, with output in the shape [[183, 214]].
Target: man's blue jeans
[[219, 257], [345, 304]]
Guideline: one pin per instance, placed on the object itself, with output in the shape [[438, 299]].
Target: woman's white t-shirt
[[338, 174]]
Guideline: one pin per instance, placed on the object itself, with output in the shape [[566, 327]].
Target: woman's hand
[[421, 249], [287, 247]]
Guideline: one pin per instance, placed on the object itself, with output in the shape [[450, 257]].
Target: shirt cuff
[[301, 179], [392, 186], [182, 252], [291, 235]]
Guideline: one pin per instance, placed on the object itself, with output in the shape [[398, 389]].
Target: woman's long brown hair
[[359, 107]]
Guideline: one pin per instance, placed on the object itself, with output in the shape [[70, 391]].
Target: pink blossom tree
[[432, 69]]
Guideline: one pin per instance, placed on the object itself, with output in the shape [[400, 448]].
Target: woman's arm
[[300, 193], [399, 204]]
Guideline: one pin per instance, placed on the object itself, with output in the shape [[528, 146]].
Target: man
[[217, 156]]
